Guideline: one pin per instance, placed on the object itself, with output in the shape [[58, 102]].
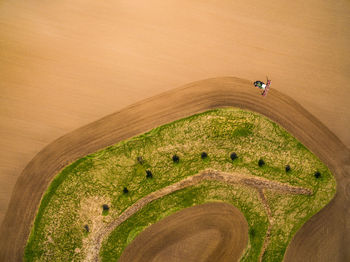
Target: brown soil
[[327, 234], [64, 64], [209, 232]]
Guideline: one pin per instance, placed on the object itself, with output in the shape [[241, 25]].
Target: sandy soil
[[209, 232], [327, 234], [67, 63]]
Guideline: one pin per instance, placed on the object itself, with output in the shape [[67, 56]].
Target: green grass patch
[[76, 195]]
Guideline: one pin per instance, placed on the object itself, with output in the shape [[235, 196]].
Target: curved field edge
[[206, 192], [81, 188]]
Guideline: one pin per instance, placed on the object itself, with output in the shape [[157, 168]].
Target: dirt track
[[327, 234], [209, 232]]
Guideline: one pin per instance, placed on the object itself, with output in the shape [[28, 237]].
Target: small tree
[[287, 168], [86, 227], [261, 162], [125, 190], [233, 156], [105, 210], [149, 174], [317, 174], [204, 155], [176, 159]]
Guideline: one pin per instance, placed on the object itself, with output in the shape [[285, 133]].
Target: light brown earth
[[64, 64], [208, 232], [327, 234]]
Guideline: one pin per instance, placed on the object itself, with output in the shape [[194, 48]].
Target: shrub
[[105, 210], [86, 227], [233, 156], [287, 168], [176, 159], [125, 190], [317, 174], [204, 155], [149, 174], [261, 162], [140, 160]]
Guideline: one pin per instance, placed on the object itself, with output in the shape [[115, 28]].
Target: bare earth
[[327, 234], [209, 232], [64, 64]]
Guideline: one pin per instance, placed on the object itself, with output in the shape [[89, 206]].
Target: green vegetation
[[208, 191], [261, 162], [105, 209], [117, 176], [287, 168], [233, 156], [149, 174]]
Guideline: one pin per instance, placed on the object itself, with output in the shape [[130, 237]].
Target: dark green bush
[[317, 174], [261, 162], [176, 159], [105, 210], [149, 174], [233, 156], [287, 168]]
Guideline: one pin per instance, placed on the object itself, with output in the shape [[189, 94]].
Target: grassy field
[[71, 210]]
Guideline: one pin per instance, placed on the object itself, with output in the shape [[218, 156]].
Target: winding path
[[327, 234]]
